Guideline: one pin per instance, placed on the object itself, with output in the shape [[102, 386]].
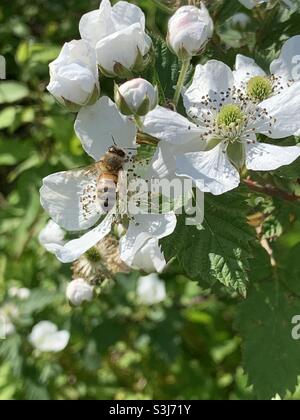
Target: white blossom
[[21, 293], [118, 35], [7, 328], [228, 110], [9, 314], [149, 258], [189, 30], [151, 290], [241, 20], [139, 248], [45, 337], [79, 291], [74, 79], [71, 197], [136, 97]]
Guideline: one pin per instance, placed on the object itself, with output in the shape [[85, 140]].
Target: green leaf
[[167, 69], [218, 250], [10, 351], [291, 269], [11, 92], [271, 356], [35, 391], [7, 117], [38, 301]]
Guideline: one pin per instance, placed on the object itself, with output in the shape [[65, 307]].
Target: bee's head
[[117, 151]]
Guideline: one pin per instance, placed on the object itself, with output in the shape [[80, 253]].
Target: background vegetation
[[190, 346]]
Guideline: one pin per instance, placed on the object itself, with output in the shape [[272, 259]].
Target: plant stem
[[270, 190], [138, 122], [181, 80], [162, 7], [145, 139]]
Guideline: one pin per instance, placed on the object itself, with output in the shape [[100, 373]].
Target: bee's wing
[[92, 172]]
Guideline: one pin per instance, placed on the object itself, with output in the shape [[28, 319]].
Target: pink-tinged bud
[[189, 30], [136, 97]]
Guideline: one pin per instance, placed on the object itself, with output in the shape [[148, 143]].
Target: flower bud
[[189, 30], [74, 79], [136, 97], [118, 34], [45, 337], [151, 290], [52, 236], [78, 291]]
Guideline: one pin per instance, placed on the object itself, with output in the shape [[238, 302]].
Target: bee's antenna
[[114, 141]]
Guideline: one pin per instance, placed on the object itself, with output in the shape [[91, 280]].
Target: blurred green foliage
[[184, 348]]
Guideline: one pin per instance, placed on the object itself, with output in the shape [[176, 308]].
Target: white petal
[[266, 157], [287, 65], [125, 14], [74, 83], [149, 258], [285, 108], [172, 127], [97, 24], [58, 342], [151, 290], [163, 164], [74, 74], [77, 247], [122, 47], [45, 337], [98, 125], [143, 228], [61, 195], [52, 235], [209, 79], [245, 69], [212, 168], [79, 291]]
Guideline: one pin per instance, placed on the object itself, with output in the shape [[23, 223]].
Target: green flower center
[[259, 88], [93, 255], [230, 116]]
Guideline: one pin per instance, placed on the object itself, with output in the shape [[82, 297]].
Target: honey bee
[[109, 167], [99, 182]]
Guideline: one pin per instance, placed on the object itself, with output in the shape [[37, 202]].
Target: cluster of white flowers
[[10, 313], [226, 110], [113, 39], [21, 293]]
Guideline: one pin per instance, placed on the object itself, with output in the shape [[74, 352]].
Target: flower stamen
[[259, 88]]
